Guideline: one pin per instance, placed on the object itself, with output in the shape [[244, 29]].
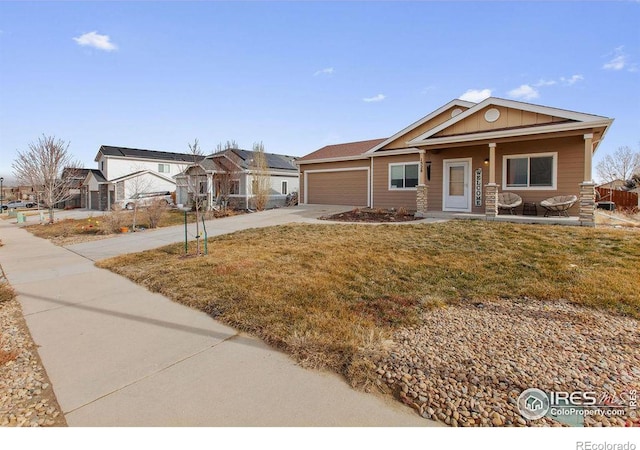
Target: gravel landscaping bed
[[466, 365], [26, 396]]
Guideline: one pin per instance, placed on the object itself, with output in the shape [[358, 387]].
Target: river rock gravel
[[466, 364], [26, 395]]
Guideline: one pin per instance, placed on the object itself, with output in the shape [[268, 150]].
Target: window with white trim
[[403, 176], [535, 171], [164, 168], [285, 188]]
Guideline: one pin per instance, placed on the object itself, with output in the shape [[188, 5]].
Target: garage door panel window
[[537, 171], [403, 176]]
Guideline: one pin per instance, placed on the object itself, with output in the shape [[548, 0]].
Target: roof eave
[[334, 159], [512, 133]]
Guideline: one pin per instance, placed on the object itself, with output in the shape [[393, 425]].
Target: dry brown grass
[[331, 294], [618, 218]]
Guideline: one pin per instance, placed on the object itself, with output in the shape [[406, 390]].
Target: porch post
[[422, 189], [588, 187], [491, 188]]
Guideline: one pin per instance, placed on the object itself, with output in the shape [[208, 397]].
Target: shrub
[[155, 211], [112, 221]]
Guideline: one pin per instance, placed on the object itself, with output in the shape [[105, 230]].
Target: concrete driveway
[[119, 355], [148, 239]]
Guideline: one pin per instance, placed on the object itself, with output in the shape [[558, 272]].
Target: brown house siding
[[570, 172], [383, 197]]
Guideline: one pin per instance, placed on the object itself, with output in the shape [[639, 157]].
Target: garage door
[[338, 188], [94, 200]]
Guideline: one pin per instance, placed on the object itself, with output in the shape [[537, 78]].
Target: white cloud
[[95, 40], [619, 60], [325, 71], [375, 98], [524, 92], [544, 82], [572, 80], [476, 95]]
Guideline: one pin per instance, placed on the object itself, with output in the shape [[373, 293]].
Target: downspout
[[246, 190], [371, 183]]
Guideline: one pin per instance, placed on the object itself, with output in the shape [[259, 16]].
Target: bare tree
[[261, 184], [220, 148], [135, 187], [41, 167], [198, 187], [226, 177], [622, 165]]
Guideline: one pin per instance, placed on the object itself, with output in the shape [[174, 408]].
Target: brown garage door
[[338, 188]]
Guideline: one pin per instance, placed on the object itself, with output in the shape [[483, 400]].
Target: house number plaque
[[478, 188]]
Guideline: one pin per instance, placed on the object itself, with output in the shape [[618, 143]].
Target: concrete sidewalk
[[118, 355]]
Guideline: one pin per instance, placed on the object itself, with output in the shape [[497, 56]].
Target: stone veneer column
[[491, 200], [587, 204], [422, 192]]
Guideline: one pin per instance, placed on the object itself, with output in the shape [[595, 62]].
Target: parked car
[[15, 204], [145, 199]]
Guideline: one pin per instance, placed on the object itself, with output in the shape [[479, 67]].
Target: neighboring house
[[229, 174], [22, 192], [73, 178], [458, 158], [619, 185], [124, 171], [97, 192]]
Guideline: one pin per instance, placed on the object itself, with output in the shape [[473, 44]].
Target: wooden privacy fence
[[622, 199]]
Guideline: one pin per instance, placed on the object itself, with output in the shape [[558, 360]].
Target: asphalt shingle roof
[[109, 150], [340, 150]]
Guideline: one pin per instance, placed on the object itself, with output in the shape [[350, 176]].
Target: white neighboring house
[[234, 166], [124, 171]]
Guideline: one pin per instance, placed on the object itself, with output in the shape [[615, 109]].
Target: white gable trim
[[492, 101], [140, 173], [456, 102], [514, 132]]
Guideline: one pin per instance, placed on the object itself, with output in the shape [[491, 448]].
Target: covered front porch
[[482, 179]]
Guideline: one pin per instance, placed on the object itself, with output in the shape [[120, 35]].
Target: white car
[[145, 199], [15, 204]]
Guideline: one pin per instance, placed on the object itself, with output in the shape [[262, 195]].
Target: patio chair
[[509, 200], [559, 204]]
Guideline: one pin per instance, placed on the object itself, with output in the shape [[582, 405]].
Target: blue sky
[[300, 75]]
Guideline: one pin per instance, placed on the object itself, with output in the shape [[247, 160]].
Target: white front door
[[457, 185]]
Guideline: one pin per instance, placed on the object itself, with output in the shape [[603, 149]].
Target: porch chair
[[559, 204], [509, 200]]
